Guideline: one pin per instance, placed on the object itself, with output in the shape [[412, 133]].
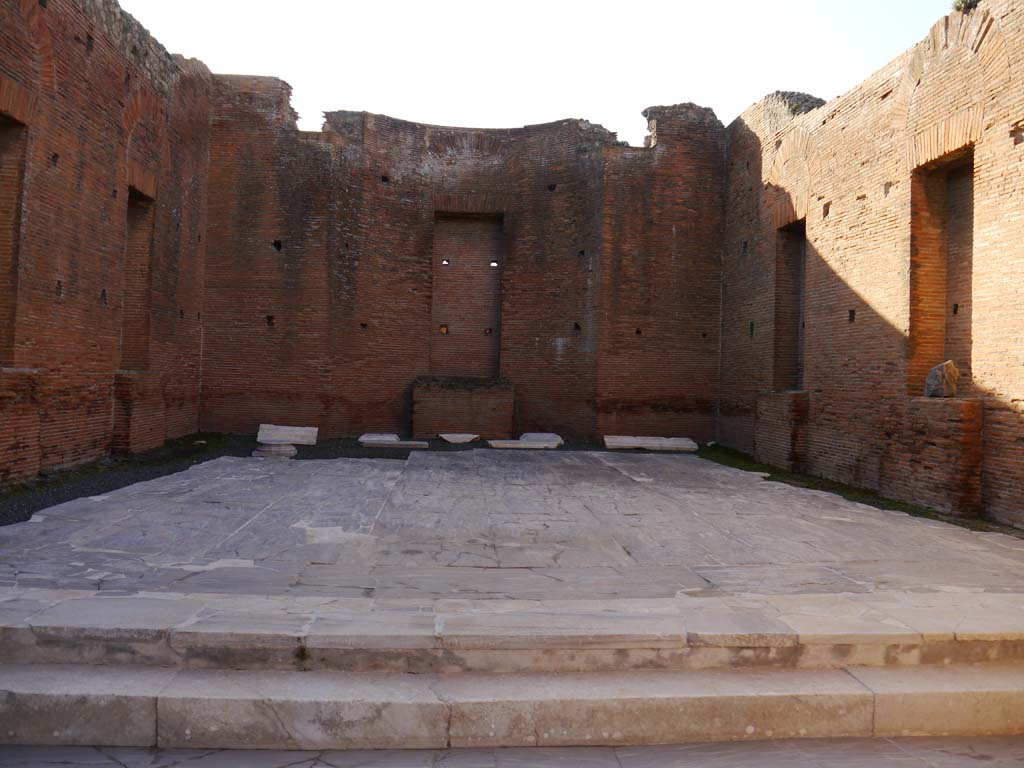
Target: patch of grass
[[733, 458], [965, 6]]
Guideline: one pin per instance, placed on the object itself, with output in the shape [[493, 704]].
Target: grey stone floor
[[493, 524], [876, 753]]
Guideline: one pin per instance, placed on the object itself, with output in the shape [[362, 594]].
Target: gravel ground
[[18, 503]]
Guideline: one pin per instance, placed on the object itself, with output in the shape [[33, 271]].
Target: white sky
[[489, 65]]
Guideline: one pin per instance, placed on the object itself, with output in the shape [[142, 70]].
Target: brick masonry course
[[176, 256]]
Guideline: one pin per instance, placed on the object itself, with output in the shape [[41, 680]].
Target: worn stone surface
[[494, 524], [823, 753], [272, 434], [942, 380], [624, 443]]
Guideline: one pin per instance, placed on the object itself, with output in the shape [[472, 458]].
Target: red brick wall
[[657, 367], [465, 333], [443, 405], [103, 106], [780, 436], [356, 289], [853, 168]]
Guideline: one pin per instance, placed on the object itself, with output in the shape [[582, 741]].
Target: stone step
[[205, 631], [146, 706]]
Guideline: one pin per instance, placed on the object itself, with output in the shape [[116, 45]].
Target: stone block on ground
[[530, 441], [626, 443], [272, 434], [459, 438], [371, 440]]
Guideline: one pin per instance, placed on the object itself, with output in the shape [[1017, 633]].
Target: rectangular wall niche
[[13, 142], [790, 269], [138, 265], [465, 337], [941, 267]]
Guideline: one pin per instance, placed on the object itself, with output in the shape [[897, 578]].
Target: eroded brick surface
[[175, 255]]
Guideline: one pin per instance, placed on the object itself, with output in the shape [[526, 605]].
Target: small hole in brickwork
[[576, 328], [778, 145], [54, 159], [364, 326], [494, 263], [956, 309], [181, 314], [278, 245], [385, 179], [704, 335], [639, 332], [200, 239], [42, 3], [886, 95], [751, 329], [103, 297], [90, 43], [745, 248], [488, 331], [199, 315], [1017, 132], [862, 197], [59, 290], [825, 210], [888, 188], [552, 187], [271, 320], [113, 194], [445, 262], [582, 253], [443, 329], [748, 165], [852, 316]]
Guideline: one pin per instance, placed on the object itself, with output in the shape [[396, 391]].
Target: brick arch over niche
[[35, 24], [971, 48], [146, 147], [795, 167]]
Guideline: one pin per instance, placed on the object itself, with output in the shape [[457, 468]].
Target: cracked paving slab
[[493, 524], [834, 753]]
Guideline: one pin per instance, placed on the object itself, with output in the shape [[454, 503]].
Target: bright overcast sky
[[491, 65]]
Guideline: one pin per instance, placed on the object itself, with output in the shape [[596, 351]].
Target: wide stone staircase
[[230, 671]]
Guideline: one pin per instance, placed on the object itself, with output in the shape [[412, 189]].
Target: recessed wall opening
[[466, 295], [13, 140], [941, 267], [137, 291], [790, 269]]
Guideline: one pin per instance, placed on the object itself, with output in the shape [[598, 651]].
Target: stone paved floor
[[493, 524], [876, 753]]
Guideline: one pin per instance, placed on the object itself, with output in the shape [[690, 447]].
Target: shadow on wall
[[816, 377]]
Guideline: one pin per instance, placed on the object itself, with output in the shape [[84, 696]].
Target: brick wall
[[92, 106], [901, 227], [475, 406], [176, 255]]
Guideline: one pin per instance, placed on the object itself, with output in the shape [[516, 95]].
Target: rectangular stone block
[[298, 710], [80, 705], [272, 434]]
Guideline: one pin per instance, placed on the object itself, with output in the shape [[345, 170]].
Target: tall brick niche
[[790, 267], [13, 143], [465, 339], [941, 267], [176, 255]]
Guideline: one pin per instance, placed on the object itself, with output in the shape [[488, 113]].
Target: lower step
[[146, 706]]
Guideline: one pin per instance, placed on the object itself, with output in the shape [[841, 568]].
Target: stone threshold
[[813, 631], [72, 705]]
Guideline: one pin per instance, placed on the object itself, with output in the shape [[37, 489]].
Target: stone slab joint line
[[874, 699]]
